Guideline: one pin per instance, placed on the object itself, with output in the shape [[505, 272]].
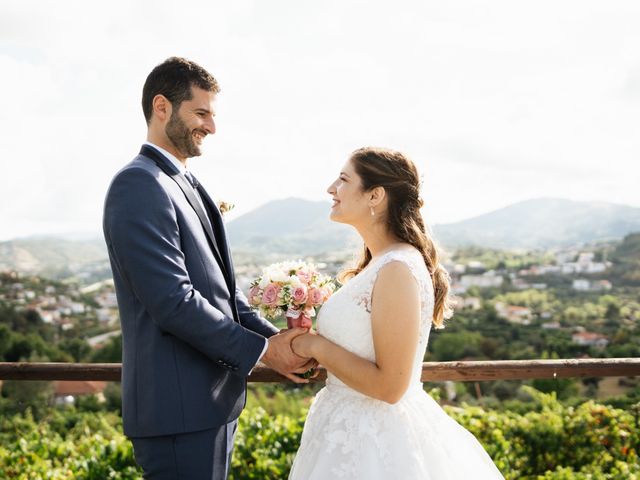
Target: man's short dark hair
[[174, 78]]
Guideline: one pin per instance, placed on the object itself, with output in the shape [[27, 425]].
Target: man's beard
[[181, 137]]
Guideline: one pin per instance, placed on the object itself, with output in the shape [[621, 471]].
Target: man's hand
[[281, 358]]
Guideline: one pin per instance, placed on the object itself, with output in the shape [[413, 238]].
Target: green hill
[[626, 260]]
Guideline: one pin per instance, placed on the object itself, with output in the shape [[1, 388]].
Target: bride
[[373, 419]]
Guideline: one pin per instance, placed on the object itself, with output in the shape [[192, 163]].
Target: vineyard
[[550, 440]]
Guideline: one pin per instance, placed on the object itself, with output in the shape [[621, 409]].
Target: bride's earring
[[373, 214]]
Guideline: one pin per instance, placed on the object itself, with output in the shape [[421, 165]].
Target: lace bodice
[[345, 319]]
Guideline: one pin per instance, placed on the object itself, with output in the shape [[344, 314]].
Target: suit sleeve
[[143, 235]]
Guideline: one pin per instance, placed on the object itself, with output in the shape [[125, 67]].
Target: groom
[[189, 336]]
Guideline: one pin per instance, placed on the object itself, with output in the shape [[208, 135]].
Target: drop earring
[[373, 214]]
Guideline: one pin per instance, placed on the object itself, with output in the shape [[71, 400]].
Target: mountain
[[543, 223], [53, 256], [296, 228], [300, 226], [290, 226]]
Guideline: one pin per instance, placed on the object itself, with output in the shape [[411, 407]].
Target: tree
[[79, 349], [28, 394], [5, 340], [110, 353], [612, 313], [489, 347], [454, 346]]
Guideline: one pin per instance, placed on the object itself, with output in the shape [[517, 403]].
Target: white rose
[[295, 282], [278, 275], [264, 281]]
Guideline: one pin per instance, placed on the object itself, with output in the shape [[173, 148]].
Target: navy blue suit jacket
[[189, 336]]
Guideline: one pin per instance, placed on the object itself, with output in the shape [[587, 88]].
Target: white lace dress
[[348, 435]]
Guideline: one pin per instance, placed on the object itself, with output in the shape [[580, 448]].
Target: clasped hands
[[288, 353]]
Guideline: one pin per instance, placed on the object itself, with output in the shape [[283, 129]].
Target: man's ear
[[377, 196], [161, 107]]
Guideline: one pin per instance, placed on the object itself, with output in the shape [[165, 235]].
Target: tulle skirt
[[348, 435]]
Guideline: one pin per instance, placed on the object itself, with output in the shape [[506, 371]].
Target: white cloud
[[496, 102]]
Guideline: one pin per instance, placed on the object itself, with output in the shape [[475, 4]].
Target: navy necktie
[[195, 184], [214, 217], [192, 180]]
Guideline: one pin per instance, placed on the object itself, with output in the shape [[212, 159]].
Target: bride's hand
[[303, 345]]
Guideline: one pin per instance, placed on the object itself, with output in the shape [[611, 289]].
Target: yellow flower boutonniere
[[225, 207]]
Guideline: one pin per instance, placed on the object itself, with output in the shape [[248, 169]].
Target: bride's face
[[350, 203]]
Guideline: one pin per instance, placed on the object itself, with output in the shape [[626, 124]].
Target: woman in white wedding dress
[[373, 420]]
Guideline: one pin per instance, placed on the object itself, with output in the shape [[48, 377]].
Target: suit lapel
[[216, 218], [186, 188]]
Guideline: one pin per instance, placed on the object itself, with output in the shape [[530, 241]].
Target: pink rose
[[299, 295], [304, 276], [270, 295], [316, 297], [254, 295]]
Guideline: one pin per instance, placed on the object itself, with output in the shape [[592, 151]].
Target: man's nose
[[210, 126]]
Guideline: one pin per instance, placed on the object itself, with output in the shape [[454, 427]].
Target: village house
[[473, 303], [458, 289], [486, 280], [585, 285], [584, 264], [551, 325], [514, 313], [66, 391], [589, 339]]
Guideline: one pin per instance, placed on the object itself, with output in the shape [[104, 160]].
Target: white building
[[476, 265], [485, 280], [551, 325], [584, 285], [581, 284], [77, 307], [474, 303], [590, 339], [514, 313]]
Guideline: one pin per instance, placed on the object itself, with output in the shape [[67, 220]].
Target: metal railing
[[466, 371]]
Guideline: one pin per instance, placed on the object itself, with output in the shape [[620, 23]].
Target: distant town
[[68, 304]]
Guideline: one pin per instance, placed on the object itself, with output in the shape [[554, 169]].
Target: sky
[[496, 102]]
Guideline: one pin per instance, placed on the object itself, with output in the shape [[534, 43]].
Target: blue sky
[[495, 101]]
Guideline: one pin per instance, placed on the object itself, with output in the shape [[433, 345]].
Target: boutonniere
[[225, 207]]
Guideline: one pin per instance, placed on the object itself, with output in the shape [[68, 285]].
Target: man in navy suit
[[189, 336]]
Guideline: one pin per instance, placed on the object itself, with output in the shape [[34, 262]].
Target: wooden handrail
[[431, 371]]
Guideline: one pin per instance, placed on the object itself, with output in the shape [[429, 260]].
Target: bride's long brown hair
[[397, 174]]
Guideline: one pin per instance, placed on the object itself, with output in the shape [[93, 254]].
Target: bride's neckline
[[397, 247], [402, 248]]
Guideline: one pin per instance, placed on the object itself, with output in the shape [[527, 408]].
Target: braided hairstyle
[[397, 174]]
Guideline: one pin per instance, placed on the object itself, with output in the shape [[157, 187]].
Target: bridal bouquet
[[292, 289]]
